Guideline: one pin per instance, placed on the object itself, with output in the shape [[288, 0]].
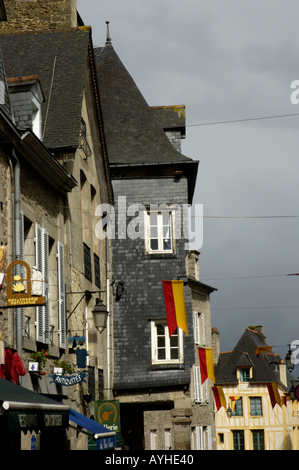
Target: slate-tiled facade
[[143, 295], [146, 170]]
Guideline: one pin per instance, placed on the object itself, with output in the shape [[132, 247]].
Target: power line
[[242, 120], [247, 277], [248, 216], [253, 308]]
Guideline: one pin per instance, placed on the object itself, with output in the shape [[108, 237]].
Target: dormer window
[[244, 368], [244, 374], [26, 97]]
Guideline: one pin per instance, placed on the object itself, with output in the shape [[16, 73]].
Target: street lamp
[[100, 315], [288, 359], [229, 412]]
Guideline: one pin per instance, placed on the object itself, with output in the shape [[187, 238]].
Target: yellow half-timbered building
[[259, 413]]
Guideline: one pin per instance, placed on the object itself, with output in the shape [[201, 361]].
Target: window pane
[[166, 218], [161, 341], [161, 354], [154, 244], [174, 353], [166, 232], [154, 232], [160, 329], [167, 244], [153, 218], [174, 341]]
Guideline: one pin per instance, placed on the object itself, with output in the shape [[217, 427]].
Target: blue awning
[[99, 431]]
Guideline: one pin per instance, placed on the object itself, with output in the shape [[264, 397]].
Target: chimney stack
[[215, 345]]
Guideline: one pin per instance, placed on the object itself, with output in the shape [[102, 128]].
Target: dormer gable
[[26, 96]]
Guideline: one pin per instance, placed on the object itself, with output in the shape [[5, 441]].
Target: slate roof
[[133, 134], [27, 54], [243, 355]]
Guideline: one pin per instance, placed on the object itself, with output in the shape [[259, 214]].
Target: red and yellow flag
[[206, 364], [175, 306], [219, 397], [260, 349], [234, 402], [274, 394]]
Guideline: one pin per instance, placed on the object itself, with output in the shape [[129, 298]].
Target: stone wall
[[39, 15]]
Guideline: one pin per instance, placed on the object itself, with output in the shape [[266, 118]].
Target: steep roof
[[243, 355], [58, 56], [133, 134]]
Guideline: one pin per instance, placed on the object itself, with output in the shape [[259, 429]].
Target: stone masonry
[[39, 15]]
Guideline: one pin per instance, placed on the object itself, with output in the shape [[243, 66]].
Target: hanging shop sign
[[68, 381], [107, 413], [19, 293]]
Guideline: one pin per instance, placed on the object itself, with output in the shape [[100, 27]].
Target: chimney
[[259, 330], [215, 345], [283, 373]]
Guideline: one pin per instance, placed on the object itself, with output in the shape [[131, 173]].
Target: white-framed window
[[61, 296], [153, 439], [201, 438], [167, 439], [42, 265], [199, 328], [200, 390], [160, 231], [166, 350]]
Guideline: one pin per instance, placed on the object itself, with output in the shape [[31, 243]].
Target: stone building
[[203, 432], [29, 176], [64, 177]]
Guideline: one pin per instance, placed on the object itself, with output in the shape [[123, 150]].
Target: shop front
[[26, 413]]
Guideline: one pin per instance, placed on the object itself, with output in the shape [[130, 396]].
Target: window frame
[[238, 436], [155, 347], [256, 406], [259, 436], [199, 328], [238, 411], [87, 262], [245, 378], [160, 226]]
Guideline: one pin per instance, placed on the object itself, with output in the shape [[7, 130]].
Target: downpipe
[[16, 239]]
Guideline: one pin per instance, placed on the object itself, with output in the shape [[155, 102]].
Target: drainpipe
[[16, 242], [108, 310]]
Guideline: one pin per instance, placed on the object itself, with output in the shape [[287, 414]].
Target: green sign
[[37, 420], [107, 413]]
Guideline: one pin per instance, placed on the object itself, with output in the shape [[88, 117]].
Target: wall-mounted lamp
[[100, 315], [229, 412], [288, 359]]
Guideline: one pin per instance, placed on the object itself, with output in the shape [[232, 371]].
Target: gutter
[[16, 241]]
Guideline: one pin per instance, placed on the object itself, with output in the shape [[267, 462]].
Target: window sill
[[154, 367], [160, 256]]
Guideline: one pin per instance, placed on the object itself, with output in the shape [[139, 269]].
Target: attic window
[[26, 97], [244, 374]]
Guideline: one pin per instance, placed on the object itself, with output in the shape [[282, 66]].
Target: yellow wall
[[280, 425]]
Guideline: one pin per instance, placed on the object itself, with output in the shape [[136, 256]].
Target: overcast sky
[[228, 61]]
